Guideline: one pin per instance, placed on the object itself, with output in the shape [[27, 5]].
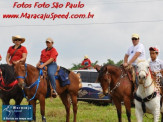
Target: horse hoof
[[44, 120]]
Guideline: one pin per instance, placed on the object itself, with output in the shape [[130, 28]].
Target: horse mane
[[139, 61], [8, 73], [102, 70]]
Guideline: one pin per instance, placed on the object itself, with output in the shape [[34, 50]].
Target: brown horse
[[31, 74], [114, 80]]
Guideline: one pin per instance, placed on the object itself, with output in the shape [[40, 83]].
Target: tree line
[[109, 61]]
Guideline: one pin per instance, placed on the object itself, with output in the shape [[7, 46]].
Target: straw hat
[[86, 56], [18, 37]]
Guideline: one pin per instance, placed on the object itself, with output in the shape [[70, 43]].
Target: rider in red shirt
[[86, 63], [48, 58], [17, 52]]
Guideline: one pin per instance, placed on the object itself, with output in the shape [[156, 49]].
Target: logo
[[17, 112]]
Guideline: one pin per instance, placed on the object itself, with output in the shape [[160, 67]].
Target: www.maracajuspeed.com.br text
[[45, 16]]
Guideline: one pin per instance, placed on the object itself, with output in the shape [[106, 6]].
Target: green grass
[[55, 112]]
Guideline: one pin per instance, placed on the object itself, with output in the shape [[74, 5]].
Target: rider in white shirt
[[136, 51], [156, 65]]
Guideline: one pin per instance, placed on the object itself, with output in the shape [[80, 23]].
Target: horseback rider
[[136, 51], [17, 52], [48, 58], [156, 65], [86, 63]]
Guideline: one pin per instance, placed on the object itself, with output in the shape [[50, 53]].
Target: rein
[[119, 81], [9, 85], [37, 82]]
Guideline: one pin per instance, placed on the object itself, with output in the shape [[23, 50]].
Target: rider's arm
[[0, 57], [126, 58], [7, 58], [24, 56], [137, 54]]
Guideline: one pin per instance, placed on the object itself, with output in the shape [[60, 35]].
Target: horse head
[[104, 78], [142, 71], [20, 71], [7, 73], [97, 67]]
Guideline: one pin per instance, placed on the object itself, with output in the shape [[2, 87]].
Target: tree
[[78, 66], [109, 61]]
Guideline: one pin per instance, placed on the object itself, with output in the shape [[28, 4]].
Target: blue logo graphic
[[17, 112]]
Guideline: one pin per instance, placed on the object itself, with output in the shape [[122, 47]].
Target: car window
[[89, 77], [93, 76]]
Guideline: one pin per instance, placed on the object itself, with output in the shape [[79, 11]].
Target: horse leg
[[74, 102], [138, 111], [42, 107], [161, 117], [65, 100], [17, 102], [127, 104], [118, 107], [33, 103]]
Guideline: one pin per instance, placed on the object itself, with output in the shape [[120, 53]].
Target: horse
[[115, 81], [28, 74], [147, 97], [9, 88]]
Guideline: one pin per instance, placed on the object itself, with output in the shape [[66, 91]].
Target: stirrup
[[54, 93]]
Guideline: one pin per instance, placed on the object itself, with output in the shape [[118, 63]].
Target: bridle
[[36, 83], [118, 82], [23, 77], [145, 77]]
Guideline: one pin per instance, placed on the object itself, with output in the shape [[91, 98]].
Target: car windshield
[[89, 77]]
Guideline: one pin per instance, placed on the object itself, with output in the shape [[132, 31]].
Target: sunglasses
[[17, 40], [47, 42], [134, 39]]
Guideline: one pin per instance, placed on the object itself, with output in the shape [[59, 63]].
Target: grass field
[[55, 112]]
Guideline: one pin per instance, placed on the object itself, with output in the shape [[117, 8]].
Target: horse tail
[[80, 80]]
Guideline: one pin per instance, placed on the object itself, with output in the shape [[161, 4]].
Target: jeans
[[136, 78], [52, 68]]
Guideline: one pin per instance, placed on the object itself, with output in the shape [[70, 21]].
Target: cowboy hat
[[86, 56], [18, 37]]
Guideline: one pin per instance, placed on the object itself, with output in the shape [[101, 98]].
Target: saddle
[[130, 71]]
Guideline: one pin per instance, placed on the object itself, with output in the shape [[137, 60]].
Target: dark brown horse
[[31, 74], [114, 80]]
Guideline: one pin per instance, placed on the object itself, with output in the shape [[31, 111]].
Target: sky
[[106, 36]]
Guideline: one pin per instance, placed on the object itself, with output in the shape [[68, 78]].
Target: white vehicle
[[91, 90]]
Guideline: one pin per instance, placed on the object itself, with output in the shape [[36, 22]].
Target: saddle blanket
[[63, 77]]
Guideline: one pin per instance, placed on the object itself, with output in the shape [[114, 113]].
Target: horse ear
[[148, 60], [22, 62], [97, 67]]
